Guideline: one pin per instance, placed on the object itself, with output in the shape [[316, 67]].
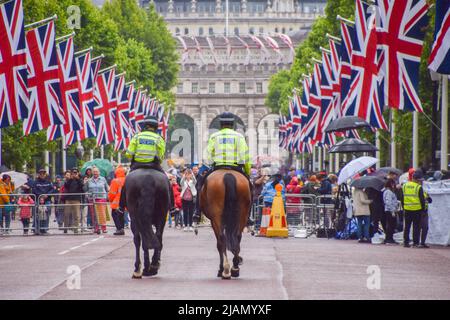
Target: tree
[[279, 88]]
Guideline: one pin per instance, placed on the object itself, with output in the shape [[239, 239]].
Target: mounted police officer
[[147, 148], [146, 151], [227, 149]]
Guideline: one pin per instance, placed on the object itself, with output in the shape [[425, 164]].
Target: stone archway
[[181, 138]]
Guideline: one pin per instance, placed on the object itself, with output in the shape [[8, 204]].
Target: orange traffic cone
[[264, 222], [278, 224]]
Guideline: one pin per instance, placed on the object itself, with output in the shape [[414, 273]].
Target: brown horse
[[225, 199]]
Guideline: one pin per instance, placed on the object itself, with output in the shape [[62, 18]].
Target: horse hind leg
[[137, 274], [156, 258], [237, 260]]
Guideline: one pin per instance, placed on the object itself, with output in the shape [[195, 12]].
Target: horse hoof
[[226, 277], [241, 261], [219, 274], [136, 276], [234, 273], [152, 271]]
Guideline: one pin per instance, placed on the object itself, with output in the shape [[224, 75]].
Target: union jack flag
[[345, 72], [365, 98], [106, 104], [281, 130], [69, 84], [307, 126], [335, 57], [401, 35], [122, 114], [163, 123], [86, 95], [13, 64], [440, 53], [327, 99], [315, 106], [132, 95], [137, 102], [140, 110], [45, 107]]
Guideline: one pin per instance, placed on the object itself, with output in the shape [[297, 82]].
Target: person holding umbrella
[[361, 210]]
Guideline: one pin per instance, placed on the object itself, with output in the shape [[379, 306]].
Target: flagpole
[[102, 152], [320, 158], [63, 153], [415, 155], [444, 124], [378, 145], [226, 18], [336, 162], [314, 159], [393, 146]]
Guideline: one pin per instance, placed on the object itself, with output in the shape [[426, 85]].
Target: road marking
[[82, 245], [11, 246]]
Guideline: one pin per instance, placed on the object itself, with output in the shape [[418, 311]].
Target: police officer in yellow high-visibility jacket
[[228, 147], [146, 150], [413, 202]]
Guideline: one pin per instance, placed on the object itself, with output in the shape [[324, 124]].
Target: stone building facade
[[231, 73]]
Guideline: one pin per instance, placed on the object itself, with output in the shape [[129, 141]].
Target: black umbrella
[[4, 168], [352, 145], [384, 171], [369, 182], [347, 123]]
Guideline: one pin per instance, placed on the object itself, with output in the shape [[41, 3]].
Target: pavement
[[45, 267]]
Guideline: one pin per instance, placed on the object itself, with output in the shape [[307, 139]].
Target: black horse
[[148, 199]]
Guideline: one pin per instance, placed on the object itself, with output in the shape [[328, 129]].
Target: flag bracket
[[60, 39], [98, 58], [79, 53], [346, 21], [34, 24], [107, 69]]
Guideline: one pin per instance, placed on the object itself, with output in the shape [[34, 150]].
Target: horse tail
[[145, 216], [230, 216]]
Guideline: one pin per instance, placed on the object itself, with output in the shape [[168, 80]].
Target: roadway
[[36, 267]]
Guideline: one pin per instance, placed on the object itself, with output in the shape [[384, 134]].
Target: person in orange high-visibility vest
[[114, 198]]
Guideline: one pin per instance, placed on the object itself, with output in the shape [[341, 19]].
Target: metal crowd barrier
[[89, 214], [10, 212], [303, 211]]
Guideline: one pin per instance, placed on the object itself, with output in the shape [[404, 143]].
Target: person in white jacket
[[361, 210], [188, 194]]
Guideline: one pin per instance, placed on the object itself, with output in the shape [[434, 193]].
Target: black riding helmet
[[226, 118], [149, 122]]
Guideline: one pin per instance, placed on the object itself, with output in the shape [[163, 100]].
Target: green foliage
[[136, 39], [280, 87]]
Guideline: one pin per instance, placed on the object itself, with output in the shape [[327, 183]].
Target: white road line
[[82, 245]]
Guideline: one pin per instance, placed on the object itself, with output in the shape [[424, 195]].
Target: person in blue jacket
[[269, 191]]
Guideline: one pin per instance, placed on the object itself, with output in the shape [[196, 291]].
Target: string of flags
[[213, 45], [49, 86], [372, 64]]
